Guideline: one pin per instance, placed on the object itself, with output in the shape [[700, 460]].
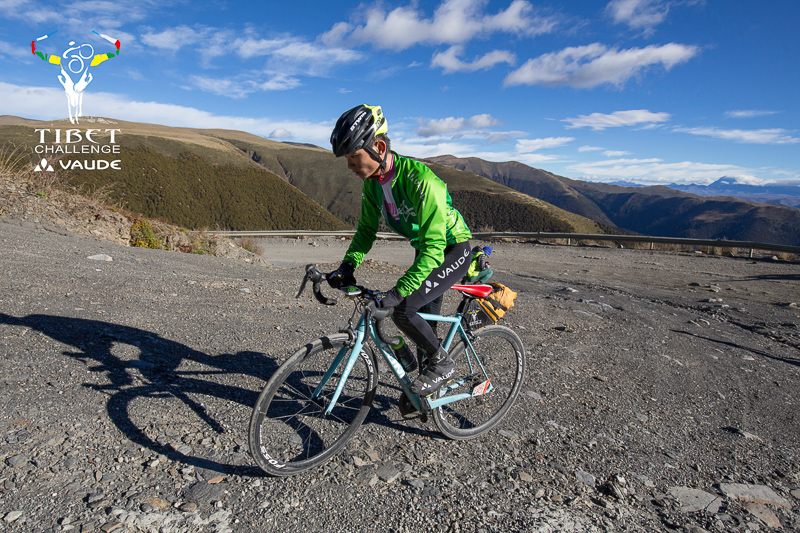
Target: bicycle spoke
[[290, 426], [498, 356]]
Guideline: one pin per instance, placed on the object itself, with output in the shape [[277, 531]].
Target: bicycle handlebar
[[378, 313], [316, 278]]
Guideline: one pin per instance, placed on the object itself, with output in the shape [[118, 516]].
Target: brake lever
[[313, 275], [303, 285], [316, 277]]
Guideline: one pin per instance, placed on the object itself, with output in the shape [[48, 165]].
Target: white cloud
[[240, 88], [75, 17], [49, 103], [289, 54], [643, 15], [281, 133], [15, 51], [173, 39], [449, 61], [600, 121], [656, 171], [533, 159], [589, 149], [532, 145], [638, 14], [295, 50], [763, 136], [615, 153], [749, 113], [596, 64], [453, 22], [442, 126], [484, 120]]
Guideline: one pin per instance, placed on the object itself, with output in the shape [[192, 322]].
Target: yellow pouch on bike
[[497, 304], [481, 312]]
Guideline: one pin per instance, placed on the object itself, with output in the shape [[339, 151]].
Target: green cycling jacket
[[426, 217]]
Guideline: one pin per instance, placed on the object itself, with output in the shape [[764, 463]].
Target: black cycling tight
[[457, 258]]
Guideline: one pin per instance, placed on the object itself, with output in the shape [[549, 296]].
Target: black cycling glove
[[342, 276]]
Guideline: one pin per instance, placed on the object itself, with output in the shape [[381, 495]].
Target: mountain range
[[230, 179], [726, 186], [234, 180], [656, 210]]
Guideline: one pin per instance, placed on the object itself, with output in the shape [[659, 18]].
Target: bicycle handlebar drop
[[316, 278], [379, 314]]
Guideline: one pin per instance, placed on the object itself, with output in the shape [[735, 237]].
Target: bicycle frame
[[365, 326]]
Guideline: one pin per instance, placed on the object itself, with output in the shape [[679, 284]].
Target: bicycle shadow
[[157, 364]]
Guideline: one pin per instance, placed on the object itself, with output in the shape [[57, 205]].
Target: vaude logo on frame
[[74, 75]]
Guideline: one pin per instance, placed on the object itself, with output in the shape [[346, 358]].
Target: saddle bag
[[481, 312]]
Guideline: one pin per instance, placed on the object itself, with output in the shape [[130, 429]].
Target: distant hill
[[772, 193], [660, 211], [187, 178], [235, 180], [484, 204]]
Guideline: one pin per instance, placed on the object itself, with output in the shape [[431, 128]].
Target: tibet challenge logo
[[78, 59], [59, 149]]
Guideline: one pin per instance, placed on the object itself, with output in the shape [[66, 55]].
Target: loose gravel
[[662, 394]]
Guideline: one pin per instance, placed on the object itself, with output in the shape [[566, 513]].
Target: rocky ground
[[662, 394]]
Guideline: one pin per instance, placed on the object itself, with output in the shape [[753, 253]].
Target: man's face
[[362, 164]]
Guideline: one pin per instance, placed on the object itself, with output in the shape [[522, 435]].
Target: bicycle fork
[[355, 353]]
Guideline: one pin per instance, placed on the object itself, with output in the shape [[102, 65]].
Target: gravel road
[[662, 394]]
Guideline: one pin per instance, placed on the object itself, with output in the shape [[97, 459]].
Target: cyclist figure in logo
[[415, 203], [76, 58]]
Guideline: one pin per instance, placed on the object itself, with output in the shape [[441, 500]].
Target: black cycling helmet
[[356, 129]]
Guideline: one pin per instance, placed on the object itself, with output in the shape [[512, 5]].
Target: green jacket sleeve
[[430, 203], [367, 229]]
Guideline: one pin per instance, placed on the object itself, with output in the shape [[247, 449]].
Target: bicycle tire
[[289, 432], [502, 354]]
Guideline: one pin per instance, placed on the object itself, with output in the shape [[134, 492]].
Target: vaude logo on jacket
[[430, 285]]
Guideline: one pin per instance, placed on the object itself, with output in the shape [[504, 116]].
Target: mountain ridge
[[244, 181], [652, 210]]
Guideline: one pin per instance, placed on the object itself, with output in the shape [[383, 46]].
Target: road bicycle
[[316, 400]]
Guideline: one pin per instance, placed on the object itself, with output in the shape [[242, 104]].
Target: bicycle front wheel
[[498, 357], [289, 430]]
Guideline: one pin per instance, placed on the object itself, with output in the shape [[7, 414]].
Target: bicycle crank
[[407, 409]]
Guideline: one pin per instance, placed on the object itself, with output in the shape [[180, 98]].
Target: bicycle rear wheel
[[499, 351], [289, 430]]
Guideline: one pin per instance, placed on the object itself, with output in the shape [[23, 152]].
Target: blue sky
[[647, 91]]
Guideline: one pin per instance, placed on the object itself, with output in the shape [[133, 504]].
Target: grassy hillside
[[190, 179], [666, 212], [188, 191], [236, 180], [486, 203], [531, 181], [482, 202]]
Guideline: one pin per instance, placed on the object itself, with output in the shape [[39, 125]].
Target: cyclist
[[415, 203], [479, 271]]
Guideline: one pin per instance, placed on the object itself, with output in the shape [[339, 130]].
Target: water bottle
[[407, 359]]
